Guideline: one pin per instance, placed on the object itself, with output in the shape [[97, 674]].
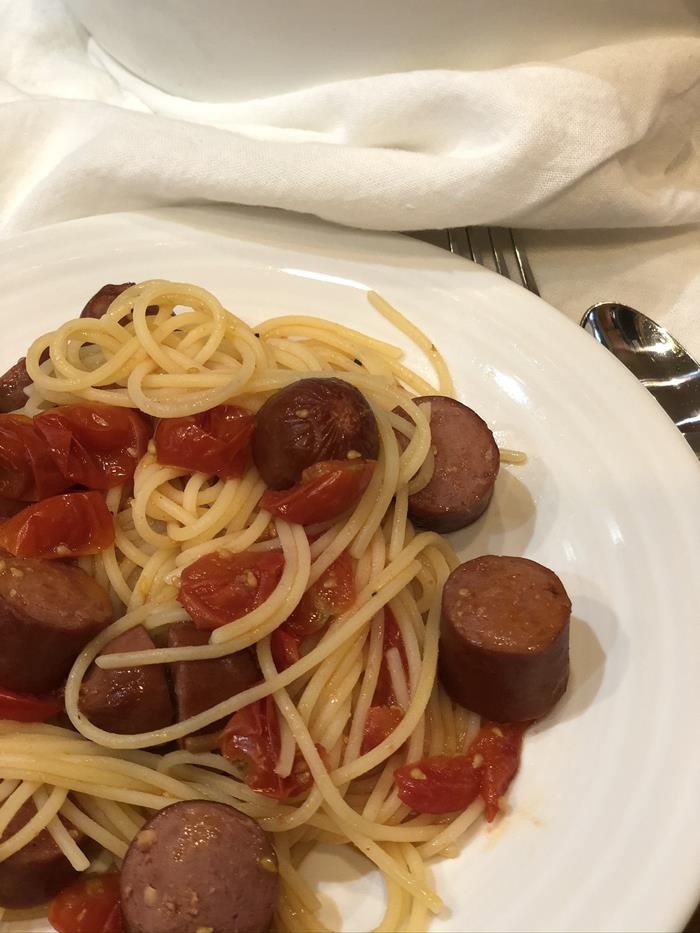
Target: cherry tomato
[[219, 588], [384, 692], [329, 597], [26, 707], [325, 491], [214, 441], [27, 469], [63, 526], [380, 723], [89, 905], [97, 446], [252, 738], [444, 783]]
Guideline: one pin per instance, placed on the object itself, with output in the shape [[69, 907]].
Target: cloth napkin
[[607, 137]]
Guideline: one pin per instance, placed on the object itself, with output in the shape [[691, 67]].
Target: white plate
[[604, 833]]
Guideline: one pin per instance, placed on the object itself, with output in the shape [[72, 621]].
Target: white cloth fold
[[607, 137]]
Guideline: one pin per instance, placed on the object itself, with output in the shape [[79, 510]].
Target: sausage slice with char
[[199, 865], [200, 685], [127, 700], [504, 638], [466, 467], [49, 611], [36, 873]]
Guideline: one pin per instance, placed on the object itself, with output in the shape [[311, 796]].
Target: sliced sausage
[[12, 386], [309, 421], [49, 611], [466, 466], [10, 507], [127, 700], [40, 870], [98, 305], [199, 865], [504, 638], [202, 684]]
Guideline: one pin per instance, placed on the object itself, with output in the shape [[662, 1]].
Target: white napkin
[[607, 137]]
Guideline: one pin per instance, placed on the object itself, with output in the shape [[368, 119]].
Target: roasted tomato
[[444, 783], [384, 692], [97, 446], [325, 491], [329, 597], [380, 723], [252, 738], [309, 421], [71, 525], [27, 469], [89, 905], [214, 441], [26, 707], [219, 588]]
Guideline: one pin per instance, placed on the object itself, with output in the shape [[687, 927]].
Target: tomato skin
[[70, 525], [252, 738], [97, 446], [213, 442], [380, 723], [27, 707], [331, 595], [27, 469], [325, 491], [219, 588], [384, 691], [89, 905], [445, 783]]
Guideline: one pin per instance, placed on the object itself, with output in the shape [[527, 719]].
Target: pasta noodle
[[106, 784]]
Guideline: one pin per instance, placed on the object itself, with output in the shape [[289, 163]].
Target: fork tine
[[498, 257], [526, 273], [472, 243]]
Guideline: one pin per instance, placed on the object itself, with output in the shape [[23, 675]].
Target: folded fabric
[[609, 137]]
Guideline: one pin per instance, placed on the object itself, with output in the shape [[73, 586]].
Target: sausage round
[[199, 865], [200, 685], [12, 386], [37, 872], [49, 611], [127, 700], [504, 638], [466, 467], [309, 421], [98, 305]]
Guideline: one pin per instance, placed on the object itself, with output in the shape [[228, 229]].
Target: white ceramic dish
[[237, 50], [604, 834]]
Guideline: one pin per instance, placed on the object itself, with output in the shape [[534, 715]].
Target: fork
[[492, 247]]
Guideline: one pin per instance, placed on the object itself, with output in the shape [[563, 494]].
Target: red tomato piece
[[26, 707], [331, 595], [380, 723], [219, 588], [252, 738], [384, 692], [89, 905], [285, 648], [214, 441], [97, 446], [445, 783], [325, 491], [63, 526], [27, 470]]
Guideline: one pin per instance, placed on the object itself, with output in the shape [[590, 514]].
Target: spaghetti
[[190, 356]]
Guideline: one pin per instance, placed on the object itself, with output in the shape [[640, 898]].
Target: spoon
[[656, 358]]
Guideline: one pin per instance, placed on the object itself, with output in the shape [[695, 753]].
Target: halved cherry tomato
[[444, 783], [27, 470], [26, 707], [214, 441], [380, 723], [329, 597], [252, 738], [89, 905], [97, 446], [219, 588], [325, 491], [63, 526], [384, 692]]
